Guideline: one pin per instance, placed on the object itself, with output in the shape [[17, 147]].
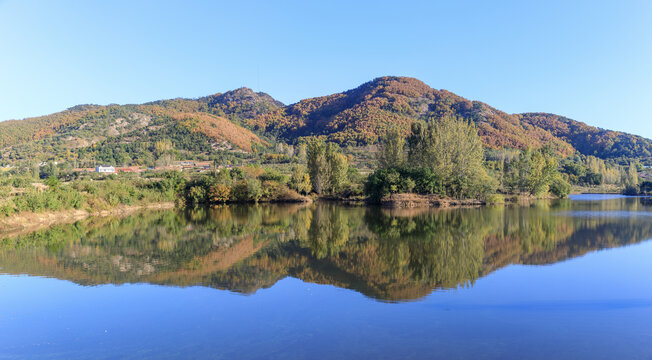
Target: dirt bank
[[416, 200]]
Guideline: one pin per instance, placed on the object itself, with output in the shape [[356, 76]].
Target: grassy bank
[[601, 189], [22, 194]]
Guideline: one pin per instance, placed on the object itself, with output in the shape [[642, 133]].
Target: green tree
[[630, 179], [48, 170], [318, 166], [300, 180], [542, 171], [338, 168], [452, 148], [327, 167], [392, 150], [301, 153], [559, 186], [248, 189]]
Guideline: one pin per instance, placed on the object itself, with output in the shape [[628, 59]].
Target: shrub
[[52, 181], [248, 189], [382, 182], [426, 181], [560, 187], [7, 208], [170, 184], [631, 190], [495, 199], [94, 194], [21, 182], [220, 193], [272, 190], [273, 175], [196, 195], [4, 191]]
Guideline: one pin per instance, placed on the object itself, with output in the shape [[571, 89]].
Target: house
[[105, 169], [194, 165], [203, 165]]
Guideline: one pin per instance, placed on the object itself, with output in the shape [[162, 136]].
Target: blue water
[[594, 304]]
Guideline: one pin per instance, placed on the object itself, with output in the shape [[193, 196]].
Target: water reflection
[[385, 254]]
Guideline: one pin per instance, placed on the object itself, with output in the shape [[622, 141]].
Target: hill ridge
[[357, 116]]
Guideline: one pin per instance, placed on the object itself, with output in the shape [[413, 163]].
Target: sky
[[587, 60]]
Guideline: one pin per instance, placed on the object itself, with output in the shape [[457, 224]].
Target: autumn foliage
[[246, 120]]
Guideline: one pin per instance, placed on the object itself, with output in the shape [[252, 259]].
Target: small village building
[[105, 169], [203, 165]]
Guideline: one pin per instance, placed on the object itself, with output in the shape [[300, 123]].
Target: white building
[[105, 169]]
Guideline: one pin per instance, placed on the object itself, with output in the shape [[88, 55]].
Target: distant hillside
[[241, 119], [19, 131], [590, 140]]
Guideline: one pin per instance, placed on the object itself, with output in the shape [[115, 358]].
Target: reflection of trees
[[146, 246], [385, 254], [329, 231], [440, 248]]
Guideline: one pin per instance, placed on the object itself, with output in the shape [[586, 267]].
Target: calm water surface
[[567, 279]]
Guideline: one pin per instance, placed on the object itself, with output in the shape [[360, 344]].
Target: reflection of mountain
[[382, 254]]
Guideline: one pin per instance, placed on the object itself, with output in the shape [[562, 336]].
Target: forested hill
[[243, 120], [138, 134], [590, 140], [359, 116]]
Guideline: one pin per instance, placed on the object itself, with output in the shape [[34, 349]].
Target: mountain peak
[[400, 85], [244, 94]]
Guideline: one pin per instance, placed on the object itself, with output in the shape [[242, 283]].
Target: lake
[[566, 279]]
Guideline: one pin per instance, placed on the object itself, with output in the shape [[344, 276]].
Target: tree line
[[447, 158]]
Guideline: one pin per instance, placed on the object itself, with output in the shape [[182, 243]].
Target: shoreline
[[409, 201]]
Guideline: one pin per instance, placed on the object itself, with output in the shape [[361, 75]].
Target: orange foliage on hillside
[[361, 115], [354, 117], [590, 140], [14, 132], [213, 126]]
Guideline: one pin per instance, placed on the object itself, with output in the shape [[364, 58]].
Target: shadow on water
[[389, 255]]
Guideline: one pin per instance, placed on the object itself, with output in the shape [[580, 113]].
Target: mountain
[[241, 121], [127, 134], [359, 116]]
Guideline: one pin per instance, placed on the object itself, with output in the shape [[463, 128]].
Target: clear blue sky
[[588, 60]]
